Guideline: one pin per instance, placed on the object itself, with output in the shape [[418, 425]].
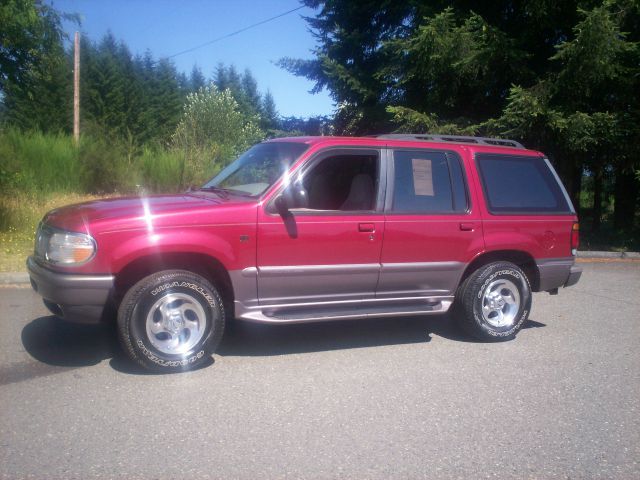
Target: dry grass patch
[[19, 217]]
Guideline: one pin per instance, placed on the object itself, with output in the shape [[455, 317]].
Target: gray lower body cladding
[[558, 272], [303, 293], [76, 298]]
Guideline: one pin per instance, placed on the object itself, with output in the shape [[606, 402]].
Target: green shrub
[[106, 166], [38, 163], [161, 169], [211, 132]]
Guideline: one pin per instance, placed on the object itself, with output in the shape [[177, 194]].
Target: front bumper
[[76, 298]]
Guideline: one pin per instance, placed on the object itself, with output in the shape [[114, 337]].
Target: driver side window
[[343, 182]]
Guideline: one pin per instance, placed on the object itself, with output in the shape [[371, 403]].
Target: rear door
[[432, 228]]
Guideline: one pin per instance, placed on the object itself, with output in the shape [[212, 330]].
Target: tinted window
[[427, 182], [347, 182], [515, 184]]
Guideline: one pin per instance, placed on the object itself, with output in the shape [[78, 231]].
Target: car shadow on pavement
[[56, 342], [253, 339], [61, 344]]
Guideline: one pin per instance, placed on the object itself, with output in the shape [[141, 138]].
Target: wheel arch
[[518, 257], [204, 265]]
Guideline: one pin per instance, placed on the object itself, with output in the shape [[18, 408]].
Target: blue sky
[[167, 27]]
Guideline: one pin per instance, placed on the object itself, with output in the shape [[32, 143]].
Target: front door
[[330, 250]]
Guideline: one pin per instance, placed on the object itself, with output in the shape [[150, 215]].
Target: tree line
[[561, 76], [134, 97]]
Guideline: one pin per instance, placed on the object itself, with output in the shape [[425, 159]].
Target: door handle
[[366, 227], [467, 226]]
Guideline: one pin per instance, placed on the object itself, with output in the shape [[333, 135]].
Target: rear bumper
[[574, 276], [77, 298], [557, 272]]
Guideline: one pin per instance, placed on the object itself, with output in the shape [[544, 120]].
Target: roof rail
[[434, 137]]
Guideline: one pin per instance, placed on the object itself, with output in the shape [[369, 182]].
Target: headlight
[[64, 248]]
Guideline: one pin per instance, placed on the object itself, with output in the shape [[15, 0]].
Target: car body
[[317, 228]]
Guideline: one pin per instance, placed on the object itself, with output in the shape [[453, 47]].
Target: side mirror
[[281, 204], [294, 196]]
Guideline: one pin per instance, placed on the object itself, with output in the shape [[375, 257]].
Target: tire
[[493, 303], [171, 321]]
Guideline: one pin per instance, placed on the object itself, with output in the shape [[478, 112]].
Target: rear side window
[[519, 184], [427, 182]]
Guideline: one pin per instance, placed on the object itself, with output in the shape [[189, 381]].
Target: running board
[[295, 314]]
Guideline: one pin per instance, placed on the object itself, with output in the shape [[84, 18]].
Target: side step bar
[[296, 314]]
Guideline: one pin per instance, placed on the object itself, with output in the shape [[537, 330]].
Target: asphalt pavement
[[394, 398]]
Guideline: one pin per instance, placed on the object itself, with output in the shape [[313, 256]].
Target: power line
[[234, 33]]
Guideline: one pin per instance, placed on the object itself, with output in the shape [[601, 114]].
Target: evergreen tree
[[250, 95], [562, 76], [268, 113], [585, 112], [196, 79], [220, 77]]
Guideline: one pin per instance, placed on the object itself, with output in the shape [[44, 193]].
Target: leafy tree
[[31, 32], [33, 67], [211, 132]]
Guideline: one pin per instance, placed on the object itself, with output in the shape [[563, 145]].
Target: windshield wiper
[[225, 192], [221, 192]]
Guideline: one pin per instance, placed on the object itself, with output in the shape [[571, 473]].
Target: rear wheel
[[171, 321], [494, 301]]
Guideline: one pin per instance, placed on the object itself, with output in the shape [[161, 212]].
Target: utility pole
[[76, 88]]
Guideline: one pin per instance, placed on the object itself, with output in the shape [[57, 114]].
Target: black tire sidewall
[[488, 275], [136, 307]]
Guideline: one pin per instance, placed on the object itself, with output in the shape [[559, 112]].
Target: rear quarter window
[[520, 184]]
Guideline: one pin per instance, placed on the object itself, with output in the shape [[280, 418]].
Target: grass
[[35, 162], [39, 172], [24, 212]]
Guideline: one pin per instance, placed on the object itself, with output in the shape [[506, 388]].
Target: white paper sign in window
[[422, 177]]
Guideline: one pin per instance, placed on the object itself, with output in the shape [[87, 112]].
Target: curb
[[18, 278], [589, 254], [14, 278]]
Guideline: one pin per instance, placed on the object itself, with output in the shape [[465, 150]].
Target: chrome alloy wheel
[[175, 324], [500, 303]]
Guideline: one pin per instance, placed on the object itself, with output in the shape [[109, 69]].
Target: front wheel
[[171, 321], [494, 301]]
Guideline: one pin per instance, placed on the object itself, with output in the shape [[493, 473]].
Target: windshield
[[257, 169]]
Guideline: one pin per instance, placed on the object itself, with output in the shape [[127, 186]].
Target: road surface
[[394, 398]]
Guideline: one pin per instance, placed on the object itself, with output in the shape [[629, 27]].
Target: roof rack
[[434, 137]]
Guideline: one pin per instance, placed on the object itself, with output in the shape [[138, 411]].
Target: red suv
[[317, 228]]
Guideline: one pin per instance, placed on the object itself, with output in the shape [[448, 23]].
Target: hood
[[136, 212]]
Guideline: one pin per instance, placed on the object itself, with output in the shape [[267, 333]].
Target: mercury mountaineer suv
[[309, 229]]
